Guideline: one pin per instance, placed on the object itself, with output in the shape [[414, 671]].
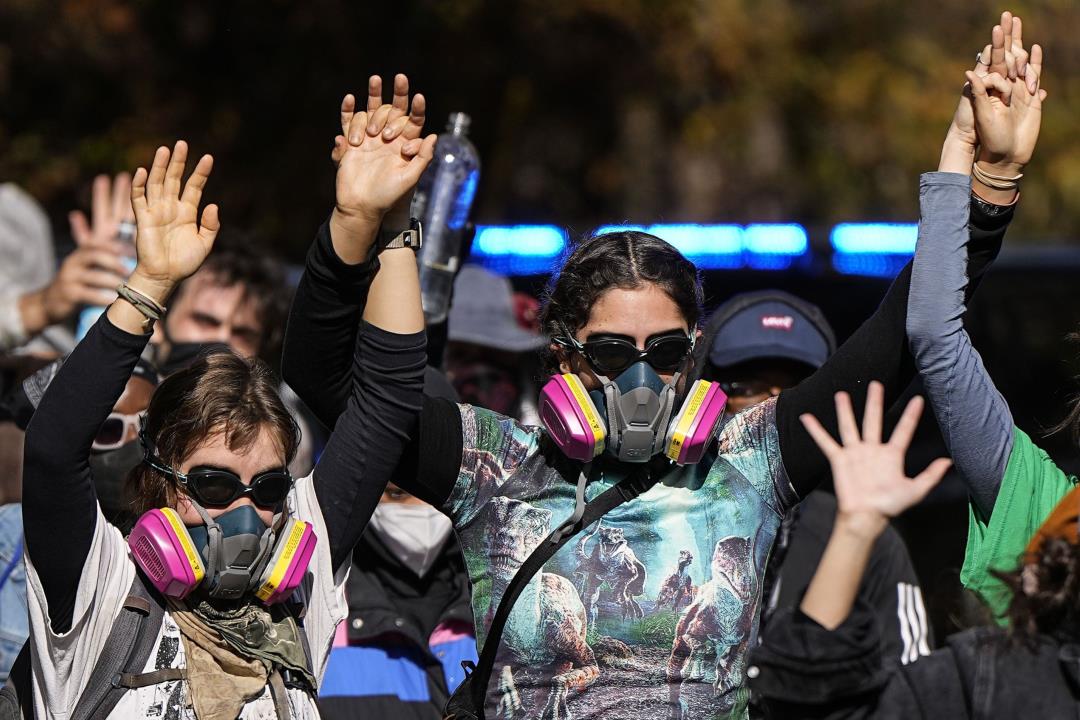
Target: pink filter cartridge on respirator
[[571, 419], [162, 548], [697, 423], [289, 563]]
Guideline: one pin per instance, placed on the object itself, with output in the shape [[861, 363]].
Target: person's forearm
[[320, 335], [378, 423], [835, 585], [58, 491], [974, 418], [394, 302]]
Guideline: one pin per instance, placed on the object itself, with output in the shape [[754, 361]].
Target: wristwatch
[[411, 238]]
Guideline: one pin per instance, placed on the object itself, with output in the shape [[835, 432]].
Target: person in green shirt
[[1013, 484]]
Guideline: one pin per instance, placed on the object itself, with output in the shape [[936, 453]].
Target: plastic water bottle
[[442, 201]]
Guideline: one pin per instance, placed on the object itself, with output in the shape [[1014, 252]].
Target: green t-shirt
[[1030, 489]]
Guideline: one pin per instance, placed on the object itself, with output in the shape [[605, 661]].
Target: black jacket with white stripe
[[889, 592], [805, 671]]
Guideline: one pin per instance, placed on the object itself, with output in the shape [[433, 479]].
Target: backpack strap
[[476, 682], [119, 667], [17, 696]]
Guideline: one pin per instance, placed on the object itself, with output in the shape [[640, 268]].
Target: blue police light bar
[[875, 249], [536, 249], [518, 249]]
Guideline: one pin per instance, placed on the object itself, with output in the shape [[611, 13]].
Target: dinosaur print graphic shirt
[[650, 610]]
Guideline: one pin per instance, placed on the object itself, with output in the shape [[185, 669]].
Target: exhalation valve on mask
[[632, 418], [232, 555]]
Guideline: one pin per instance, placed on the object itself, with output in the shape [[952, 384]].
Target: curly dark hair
[[218, 393], [626, 260], [1051, 603]]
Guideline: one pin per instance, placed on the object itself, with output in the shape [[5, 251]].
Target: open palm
[[869, 474], [170, 243]]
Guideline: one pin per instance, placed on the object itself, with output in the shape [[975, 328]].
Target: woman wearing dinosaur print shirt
[[587, 638]]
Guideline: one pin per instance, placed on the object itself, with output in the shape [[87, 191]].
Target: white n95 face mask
[[415, 534]]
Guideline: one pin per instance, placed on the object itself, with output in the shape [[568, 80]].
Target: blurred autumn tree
[[585, 111]]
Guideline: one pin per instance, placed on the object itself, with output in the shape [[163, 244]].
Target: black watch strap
[[411, 238]]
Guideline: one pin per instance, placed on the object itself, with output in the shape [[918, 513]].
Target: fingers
[[80, 228], [99, 199], [1034, 70], [925, 481], [348, 108], [979, 94], [905, 428], [821, 436], [997, 84], [1006, 28], [105, 261], [174, 173], [338, 152], [155, 183], [210, 225], [193, 190], [845, 420], [377, 120], [427, 149], [100, 279], [875, 408], [121, 198], [417, 117], [997, 50], [1018, 33], [400, 102], [357, 128], [138, 193], [395, 128], [982, 62], [374, 93]]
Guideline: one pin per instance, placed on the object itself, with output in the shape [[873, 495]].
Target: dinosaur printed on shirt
[[677, 588], [717, 625], [546, 628], [613, 562]]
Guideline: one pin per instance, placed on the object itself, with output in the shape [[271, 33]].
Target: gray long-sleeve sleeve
[[975, 420]]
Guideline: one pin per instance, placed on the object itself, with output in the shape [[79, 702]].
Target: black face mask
[[110, 470]]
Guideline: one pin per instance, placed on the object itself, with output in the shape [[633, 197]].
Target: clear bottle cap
[[459, 123]]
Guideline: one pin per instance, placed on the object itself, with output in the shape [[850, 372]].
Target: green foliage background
[[585, 111]]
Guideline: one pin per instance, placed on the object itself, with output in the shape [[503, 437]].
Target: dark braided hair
[[625, 260]]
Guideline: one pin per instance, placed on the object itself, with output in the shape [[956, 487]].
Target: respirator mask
[[636, 415], [232, 555]]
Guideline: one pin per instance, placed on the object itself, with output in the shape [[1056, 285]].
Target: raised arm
[[58, 491], [823, 655], [999, 120], [379, 160]]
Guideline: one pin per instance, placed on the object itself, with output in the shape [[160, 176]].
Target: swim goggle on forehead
[[217, 487], [611, 356]]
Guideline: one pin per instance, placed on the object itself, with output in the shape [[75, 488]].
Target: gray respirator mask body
[[637, 408], [236, 547]]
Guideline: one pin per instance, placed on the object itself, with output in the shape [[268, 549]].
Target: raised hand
[[868, 474], [111, 215], [171, 243], [1008, 115], [379, 156]]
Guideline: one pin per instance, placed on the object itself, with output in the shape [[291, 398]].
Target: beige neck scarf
[[230, 655]]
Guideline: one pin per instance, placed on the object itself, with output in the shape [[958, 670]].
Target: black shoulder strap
[[595, 509], [17, 696], [120, 665]]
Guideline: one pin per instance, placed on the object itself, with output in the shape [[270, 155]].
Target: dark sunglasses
[[222, 487], [612, 356]]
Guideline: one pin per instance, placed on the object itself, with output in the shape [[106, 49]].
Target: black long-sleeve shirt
[[380, 406], [328, 303]]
